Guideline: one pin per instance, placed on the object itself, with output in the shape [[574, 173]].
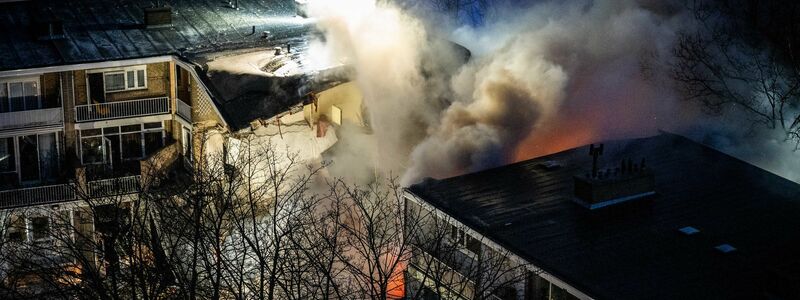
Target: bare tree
[[743, 54], [253, 223]]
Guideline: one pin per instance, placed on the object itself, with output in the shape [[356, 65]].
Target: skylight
[[689, 230], [725, 248]]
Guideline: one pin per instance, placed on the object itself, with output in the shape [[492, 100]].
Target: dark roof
[[243, 98], [101, 30], [635, 250]]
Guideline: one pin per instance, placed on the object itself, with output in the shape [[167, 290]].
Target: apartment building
[[687, 222], [98, 98]]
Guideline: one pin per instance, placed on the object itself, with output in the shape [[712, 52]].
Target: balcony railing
[[115, 186], [37, 195], [122, 109], [184, 110], [30, 118], [67, 192]]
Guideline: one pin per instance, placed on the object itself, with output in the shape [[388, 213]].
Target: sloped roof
[[636, 251], [101, 30]]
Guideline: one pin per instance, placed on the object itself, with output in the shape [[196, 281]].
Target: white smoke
[[545, 78]]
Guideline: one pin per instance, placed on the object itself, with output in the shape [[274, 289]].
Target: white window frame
[[6, 83], [124, 72], [102, 135]]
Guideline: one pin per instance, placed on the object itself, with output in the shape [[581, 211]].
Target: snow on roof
[[101, 30]]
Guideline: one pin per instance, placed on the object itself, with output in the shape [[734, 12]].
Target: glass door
[[29, 158], [48, 156]]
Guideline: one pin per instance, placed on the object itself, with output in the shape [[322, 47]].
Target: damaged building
[[102, 98]]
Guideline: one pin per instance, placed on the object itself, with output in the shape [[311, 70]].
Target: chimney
[[631, 182], [158, 17]]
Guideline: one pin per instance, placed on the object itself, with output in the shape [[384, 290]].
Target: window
[[130, 78], [16, 229], [19, 95], [114, 82], [120, 143], [28, 157], [7, 159], [187, 143], [92, 150], [461, 238], [538, 288], [40, 228]]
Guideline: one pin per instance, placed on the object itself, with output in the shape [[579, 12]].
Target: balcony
[[114, 186], [31, 118], [184, 110], [37, 195], [122, 109]]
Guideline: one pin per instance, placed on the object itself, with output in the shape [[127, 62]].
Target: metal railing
[[115, 186], [37, 195], [184, 110], [122, 109], [36, 117]]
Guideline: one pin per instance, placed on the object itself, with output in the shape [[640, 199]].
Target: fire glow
[[550, 77]]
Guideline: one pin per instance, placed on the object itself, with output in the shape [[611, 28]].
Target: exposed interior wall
[[347, 97]]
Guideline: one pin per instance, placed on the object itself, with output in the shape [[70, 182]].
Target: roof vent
[[602, 188], [158, 17]]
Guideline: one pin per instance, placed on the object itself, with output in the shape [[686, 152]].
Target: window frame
[[5, 83], [141, 131], [125, 78]]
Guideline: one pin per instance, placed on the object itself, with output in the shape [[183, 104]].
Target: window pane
[[557, 293], [7, 155], [31, 92], [40, 227], [48, 156], [187, 144], [28, 157], [111, 130], [130, 79], [16, 96], [131, 128], [152, 142], [16, 228], [152, 125], [3, 97], [115, 82], [140, 78], [90, 132], [92, 149], [132, 146]]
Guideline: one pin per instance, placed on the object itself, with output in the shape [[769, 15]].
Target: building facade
[[661, 217]]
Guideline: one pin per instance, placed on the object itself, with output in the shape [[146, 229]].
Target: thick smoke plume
[[542, 78]]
